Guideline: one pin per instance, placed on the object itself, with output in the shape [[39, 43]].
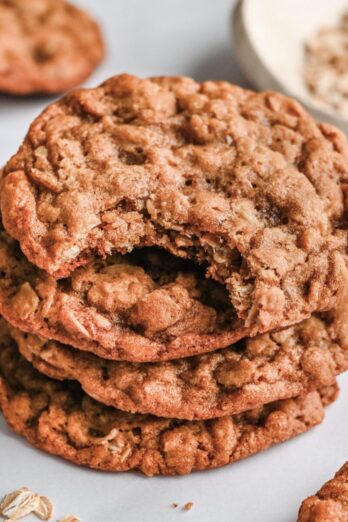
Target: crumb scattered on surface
[[174, 505], [188, 506]]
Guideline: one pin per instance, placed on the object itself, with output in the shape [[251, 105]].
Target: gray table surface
[[177, 37]]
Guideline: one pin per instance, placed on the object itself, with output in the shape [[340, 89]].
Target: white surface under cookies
[[177, 37]]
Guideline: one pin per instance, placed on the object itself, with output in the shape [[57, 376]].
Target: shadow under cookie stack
[[173, 277]]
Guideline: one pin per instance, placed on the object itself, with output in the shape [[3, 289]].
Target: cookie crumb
[[188, 506], [174, 505]]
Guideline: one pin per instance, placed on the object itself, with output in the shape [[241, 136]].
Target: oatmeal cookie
[[60, 419], [330, 504], [253, 372], [245, 184], [46, 46]]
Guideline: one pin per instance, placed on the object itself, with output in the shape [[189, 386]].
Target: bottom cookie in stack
[[59, 418]]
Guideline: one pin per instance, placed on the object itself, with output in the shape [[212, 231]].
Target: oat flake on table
[[23, 502]]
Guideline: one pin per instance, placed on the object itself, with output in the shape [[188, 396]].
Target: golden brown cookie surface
[[46, 46], [251, 373], [244, 183]]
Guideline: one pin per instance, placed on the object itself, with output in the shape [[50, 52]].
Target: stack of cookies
[[173, 275]]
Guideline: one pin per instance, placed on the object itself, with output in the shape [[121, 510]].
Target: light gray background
[[149, 37]]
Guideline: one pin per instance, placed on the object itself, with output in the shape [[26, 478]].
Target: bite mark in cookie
[[62, 420], [145, 306], [246, 184], [46, 46]]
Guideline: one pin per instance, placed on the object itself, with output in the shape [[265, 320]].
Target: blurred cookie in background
[[46, 46]]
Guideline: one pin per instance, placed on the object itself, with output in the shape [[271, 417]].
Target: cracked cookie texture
[[330, 504], [251, 373], [245, 184], [46, 46], [60, 419]]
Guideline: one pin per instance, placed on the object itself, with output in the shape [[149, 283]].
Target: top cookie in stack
[[150, 221], [244, 184]]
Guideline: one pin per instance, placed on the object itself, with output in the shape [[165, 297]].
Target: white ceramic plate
[[170, 37]]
